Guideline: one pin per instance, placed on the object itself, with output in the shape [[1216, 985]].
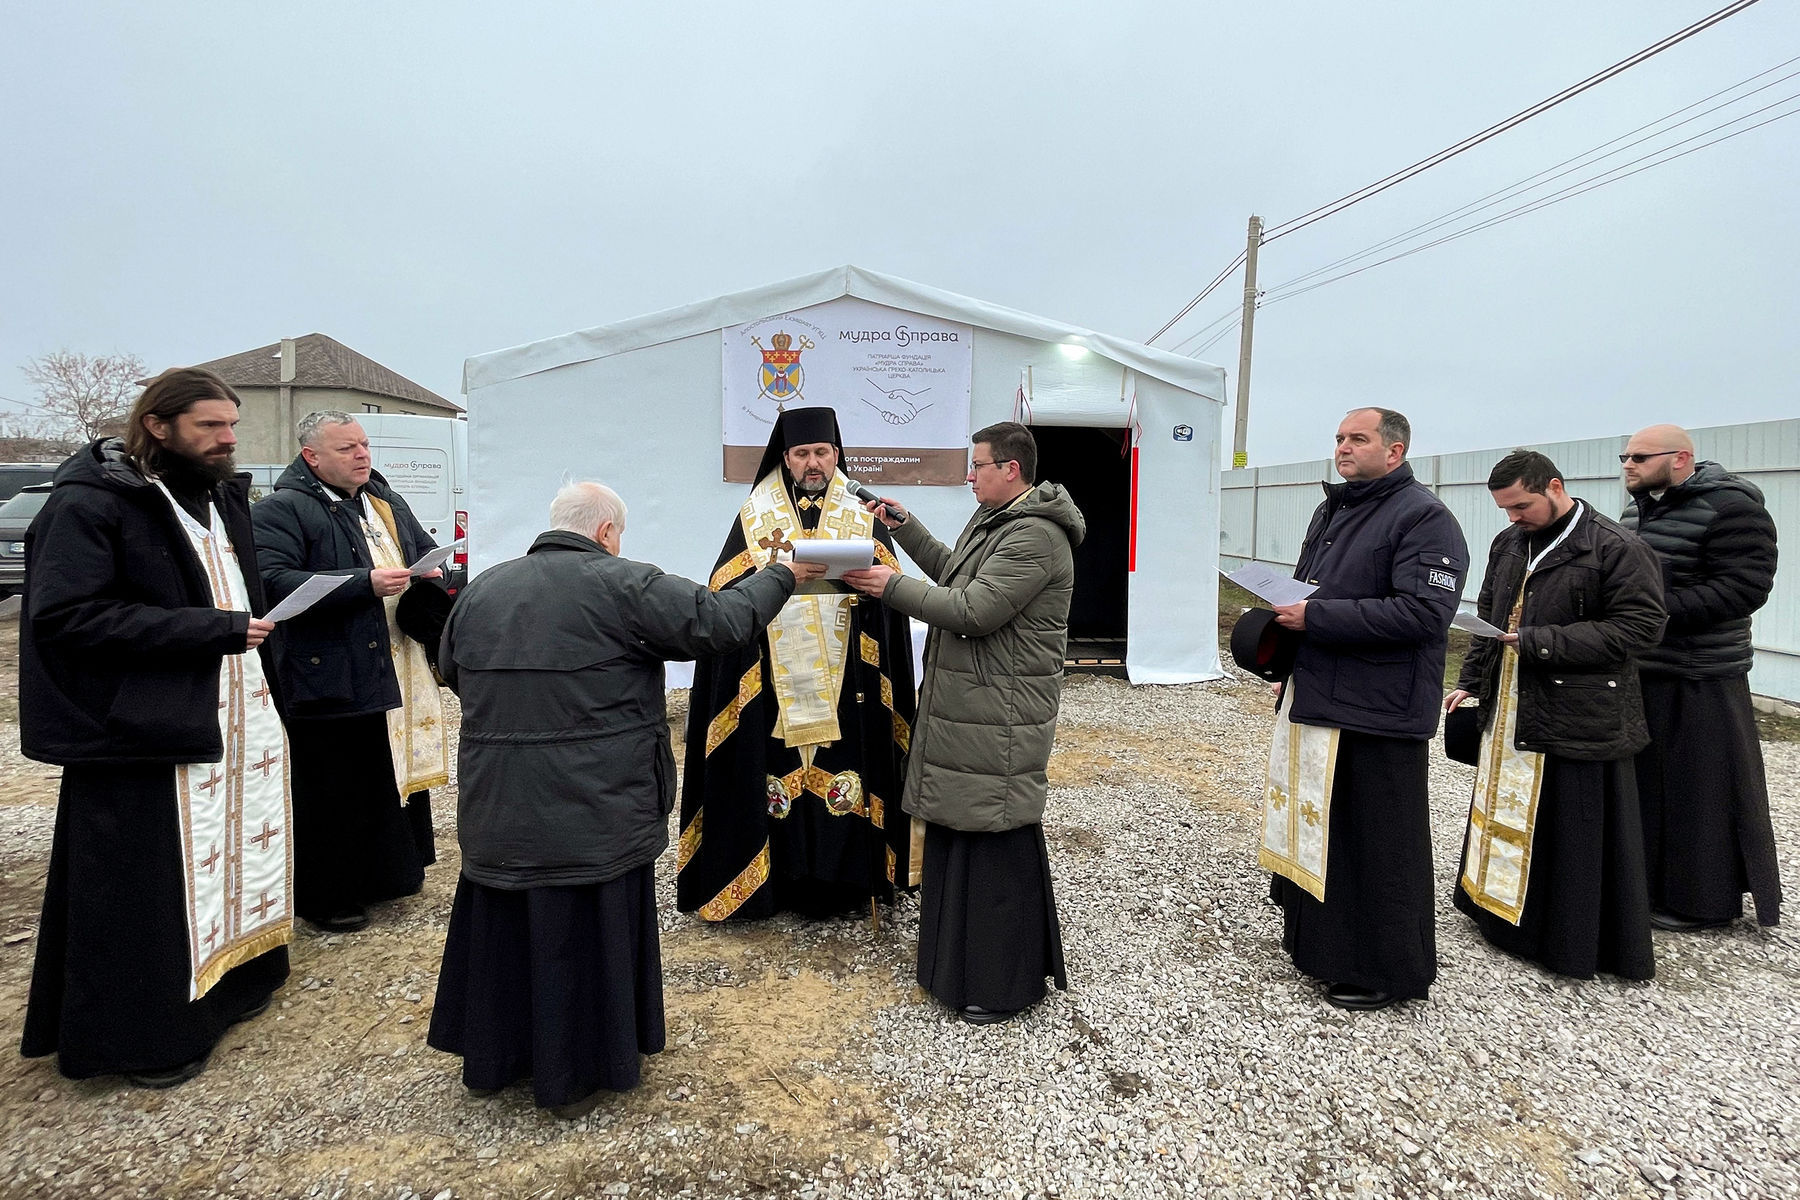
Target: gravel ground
[[1187, 1058]]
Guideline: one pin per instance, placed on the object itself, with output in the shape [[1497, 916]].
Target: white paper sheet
[[1475, 625], [431, 560], [1268, 583], [306, 595], [838, 554]]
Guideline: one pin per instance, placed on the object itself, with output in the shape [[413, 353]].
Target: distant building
[[283, 381]]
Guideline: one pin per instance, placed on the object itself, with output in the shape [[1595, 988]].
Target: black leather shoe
[[974, 1014], [172, 1077], [255, 1010], [348, 921], [476, 1093], [1348, 995], [1675, 923], [577, 1109]]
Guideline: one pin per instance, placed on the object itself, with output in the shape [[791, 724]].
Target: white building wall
[[1264, 512]]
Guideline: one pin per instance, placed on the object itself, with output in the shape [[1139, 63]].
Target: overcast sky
[[429, 181]]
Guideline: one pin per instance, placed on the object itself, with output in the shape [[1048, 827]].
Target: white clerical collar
[[1574, 519]]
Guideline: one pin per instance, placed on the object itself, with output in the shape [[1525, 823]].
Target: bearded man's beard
[[175, 465]]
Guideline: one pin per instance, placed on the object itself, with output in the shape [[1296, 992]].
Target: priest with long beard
[[796, 745], [167, 909]]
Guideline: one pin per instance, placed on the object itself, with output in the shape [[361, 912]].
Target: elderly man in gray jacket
[[552, 967], [976, 772]]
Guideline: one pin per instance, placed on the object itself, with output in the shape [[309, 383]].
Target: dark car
[[15, 477], [15, 518]]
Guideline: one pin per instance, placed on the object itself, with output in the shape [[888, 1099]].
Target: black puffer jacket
[[1717, 546], [1592, 605], [566, 775], [120, 642], [1390, 561], [335, 660]]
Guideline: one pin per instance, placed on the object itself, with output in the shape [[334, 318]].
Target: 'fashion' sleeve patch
[[1443, 578]]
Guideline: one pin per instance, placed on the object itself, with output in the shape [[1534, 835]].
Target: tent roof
[[484, 370]]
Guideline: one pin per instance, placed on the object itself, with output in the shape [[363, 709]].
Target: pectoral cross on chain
[[775, 543]]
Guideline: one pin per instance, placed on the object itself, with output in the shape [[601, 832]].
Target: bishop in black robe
[[763, 829]]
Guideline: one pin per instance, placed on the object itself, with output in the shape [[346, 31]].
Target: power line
[[1204, 293], [1217, 337], [1449, 152], [1580, 187], [26, 404], [1235, 312], [1469, 143], [1548, 174]]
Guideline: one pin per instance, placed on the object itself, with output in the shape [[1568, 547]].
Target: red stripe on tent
[[1134, 503]]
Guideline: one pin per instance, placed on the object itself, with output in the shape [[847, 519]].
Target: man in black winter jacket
[[364, 713], [141, 672], [1348, 785], [551, 965], [1552, 859], [1708, 838]]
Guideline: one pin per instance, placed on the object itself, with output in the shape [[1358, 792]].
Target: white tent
[[637, 405]]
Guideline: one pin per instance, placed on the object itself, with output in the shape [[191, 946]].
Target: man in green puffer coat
[[999, 618]]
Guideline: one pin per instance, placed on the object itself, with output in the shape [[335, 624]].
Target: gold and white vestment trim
[[809, 638], [416, 741], [1297, 800], [1496, 866], [235, 815]]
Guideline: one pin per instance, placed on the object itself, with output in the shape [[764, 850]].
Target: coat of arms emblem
[[780, 377]]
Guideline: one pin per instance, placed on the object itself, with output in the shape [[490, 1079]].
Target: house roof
[[323, 362], [774, 299]]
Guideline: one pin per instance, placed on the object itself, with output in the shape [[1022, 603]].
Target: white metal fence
[[1263, 513]]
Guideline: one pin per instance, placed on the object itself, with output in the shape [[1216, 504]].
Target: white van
[[425, 460]]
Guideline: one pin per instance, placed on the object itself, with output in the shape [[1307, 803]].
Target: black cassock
[[740, 855], [109, 992]]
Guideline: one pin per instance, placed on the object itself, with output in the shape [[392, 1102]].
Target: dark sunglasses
[[1641, 458]]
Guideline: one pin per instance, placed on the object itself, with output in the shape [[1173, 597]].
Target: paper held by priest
[[433, 559], [1475, 625], [1266, 583], [305, 596], [838, 554]]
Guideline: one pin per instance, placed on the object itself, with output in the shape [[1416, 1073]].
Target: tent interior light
[[1070, 350]]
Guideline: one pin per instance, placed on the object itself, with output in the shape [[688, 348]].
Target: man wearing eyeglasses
[[999, 617], [1708, 838]]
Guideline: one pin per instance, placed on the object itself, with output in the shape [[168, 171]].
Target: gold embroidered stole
[[810, 637], [421, 752], [1297, 800], [235, 814], [1503, 810]]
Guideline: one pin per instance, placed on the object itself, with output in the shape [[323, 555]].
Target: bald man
[[1704, 799]]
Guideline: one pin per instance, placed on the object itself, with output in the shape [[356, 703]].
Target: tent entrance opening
[[1094, 466]]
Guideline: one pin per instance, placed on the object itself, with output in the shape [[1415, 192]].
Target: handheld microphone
[[867, 495]]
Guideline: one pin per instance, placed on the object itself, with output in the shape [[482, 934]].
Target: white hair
[[584, 506], [309, 427]]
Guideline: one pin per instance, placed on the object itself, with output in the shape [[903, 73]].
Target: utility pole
[[1240, 457]]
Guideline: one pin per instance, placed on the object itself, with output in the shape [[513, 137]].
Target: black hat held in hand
[[1262, 647]]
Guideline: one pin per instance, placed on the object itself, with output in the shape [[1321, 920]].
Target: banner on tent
[[898, 380]]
